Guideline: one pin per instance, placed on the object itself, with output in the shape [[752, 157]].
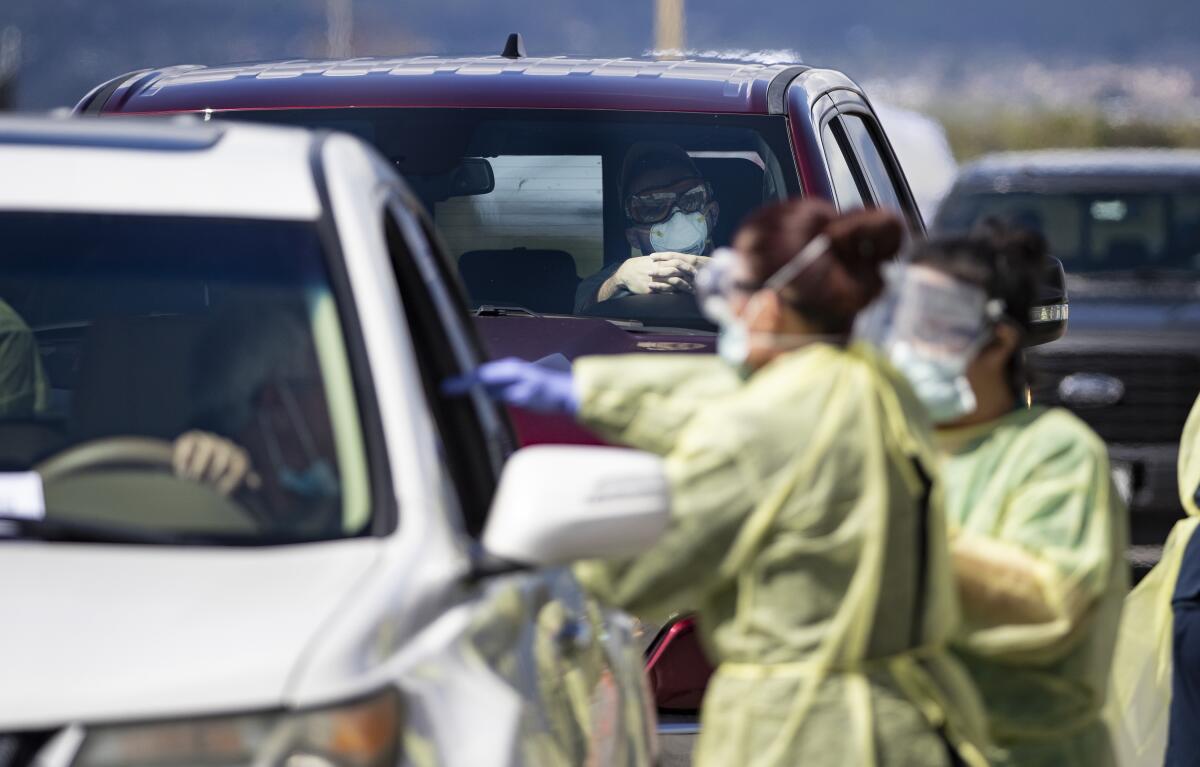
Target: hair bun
[[864, 239], [838, 284]]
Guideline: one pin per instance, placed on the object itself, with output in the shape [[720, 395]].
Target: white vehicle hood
[[105, 633]]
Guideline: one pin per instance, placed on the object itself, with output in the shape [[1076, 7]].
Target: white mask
[[681, 233], [733, 342]]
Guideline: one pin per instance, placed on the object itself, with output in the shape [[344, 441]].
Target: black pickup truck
[[1126, 225]]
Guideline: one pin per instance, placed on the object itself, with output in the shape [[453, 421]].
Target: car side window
[[848, 182], [475, 435], [866, 146]]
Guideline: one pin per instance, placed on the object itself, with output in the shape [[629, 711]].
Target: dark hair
[[839, 284], [1007, 263]]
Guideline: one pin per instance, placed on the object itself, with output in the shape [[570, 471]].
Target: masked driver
[[263, 432], [670, 214]]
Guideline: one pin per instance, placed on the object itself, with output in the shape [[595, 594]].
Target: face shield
[[930, 326]]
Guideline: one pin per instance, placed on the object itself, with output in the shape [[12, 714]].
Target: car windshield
[[1097, 235], [541, 208], [176, 375]]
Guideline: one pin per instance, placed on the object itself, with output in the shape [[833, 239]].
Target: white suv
[[238, 523]]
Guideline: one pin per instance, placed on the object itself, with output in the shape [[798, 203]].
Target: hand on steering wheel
[[204, 457], [663, 272]]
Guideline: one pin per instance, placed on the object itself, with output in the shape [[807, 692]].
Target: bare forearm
[[608, 288]]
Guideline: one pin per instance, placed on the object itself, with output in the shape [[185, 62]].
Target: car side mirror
[[1050, 310], [562, 503]]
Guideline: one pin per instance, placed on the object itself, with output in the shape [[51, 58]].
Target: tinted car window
[[874, 166], [475, 437], [543, 237], [1184, 233], [142, 357], [1124, 228], [845, 188], [1059, 218], [1095, 233]]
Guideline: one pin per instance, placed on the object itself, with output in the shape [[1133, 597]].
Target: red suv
[[519, 161], [524, 165]]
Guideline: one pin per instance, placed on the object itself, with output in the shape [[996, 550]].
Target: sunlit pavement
[[675, 749]]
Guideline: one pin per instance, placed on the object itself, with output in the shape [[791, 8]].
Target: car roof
[[481, 81], [165, 167], [1083, 170]]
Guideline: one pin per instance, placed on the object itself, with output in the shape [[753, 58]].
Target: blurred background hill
[[1024, 73]]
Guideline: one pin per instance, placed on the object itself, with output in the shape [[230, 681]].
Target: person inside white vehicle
[[263, 433], [132, 381]]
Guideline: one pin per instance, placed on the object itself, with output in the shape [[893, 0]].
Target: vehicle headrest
[[737, 187], [135, 377]]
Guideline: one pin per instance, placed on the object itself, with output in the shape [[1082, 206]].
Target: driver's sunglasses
[[655, 205]]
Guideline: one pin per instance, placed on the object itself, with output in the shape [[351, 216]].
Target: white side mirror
[[557, 504]]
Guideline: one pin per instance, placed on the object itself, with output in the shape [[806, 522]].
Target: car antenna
[[514, 47]]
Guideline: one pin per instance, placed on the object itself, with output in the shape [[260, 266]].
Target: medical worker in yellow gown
[[806, 529], [1037, 531], [1156, 673]]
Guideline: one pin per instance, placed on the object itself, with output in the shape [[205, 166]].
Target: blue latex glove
[[523, 384]]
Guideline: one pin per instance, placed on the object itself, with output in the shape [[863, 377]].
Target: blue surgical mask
[[930, 326], [318, 481], [681, 233], [940, 384]]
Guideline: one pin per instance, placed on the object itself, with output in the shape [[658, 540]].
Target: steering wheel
[[107, 453], [654, 308], [197, 508]]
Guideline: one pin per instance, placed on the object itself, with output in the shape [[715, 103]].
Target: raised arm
[[644, 401]]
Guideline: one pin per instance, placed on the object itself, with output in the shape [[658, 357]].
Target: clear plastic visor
[[930, 313]]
